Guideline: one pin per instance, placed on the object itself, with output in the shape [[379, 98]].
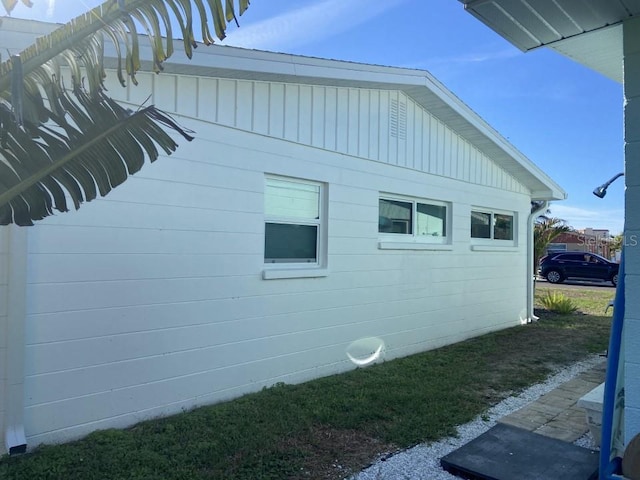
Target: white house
[[325, 211], [603, 35]]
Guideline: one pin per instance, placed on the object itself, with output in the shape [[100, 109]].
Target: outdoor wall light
[[601, 191]]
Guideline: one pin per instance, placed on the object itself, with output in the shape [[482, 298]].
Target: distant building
[[587, 240]]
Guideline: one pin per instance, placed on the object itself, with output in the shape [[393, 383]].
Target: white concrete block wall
[[4, 300], [631, 33], [151, 300], [13, 262]]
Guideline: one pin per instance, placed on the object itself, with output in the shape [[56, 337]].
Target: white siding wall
[[358, 122], [13, 261], [632, 227], [151, 300], [4, 300]]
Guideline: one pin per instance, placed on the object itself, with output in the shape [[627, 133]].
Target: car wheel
[[554, 276], [614, 280]]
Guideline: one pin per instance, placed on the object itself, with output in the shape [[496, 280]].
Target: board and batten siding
[[381, 125], [151, 300]]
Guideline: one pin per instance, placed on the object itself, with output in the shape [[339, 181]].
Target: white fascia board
[[549, 195], [500, 149]]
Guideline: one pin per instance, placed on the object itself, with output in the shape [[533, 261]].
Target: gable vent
[[398, 119]]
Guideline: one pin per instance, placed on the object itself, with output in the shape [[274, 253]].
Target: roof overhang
[[237, 63], [588, 31]]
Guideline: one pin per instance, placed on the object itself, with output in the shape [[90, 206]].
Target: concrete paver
[[559, 432], [520, 423], [537, 439], [546, 409], [556, 414]]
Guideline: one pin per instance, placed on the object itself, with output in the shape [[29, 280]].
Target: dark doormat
[[510, 453]]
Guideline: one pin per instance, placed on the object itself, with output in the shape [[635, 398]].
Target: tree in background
[[61, 141], [545, 230], [615, 244]]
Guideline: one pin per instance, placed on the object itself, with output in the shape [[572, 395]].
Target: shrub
[[557, 302]]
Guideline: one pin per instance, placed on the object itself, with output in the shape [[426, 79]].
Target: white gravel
[[422, 462]]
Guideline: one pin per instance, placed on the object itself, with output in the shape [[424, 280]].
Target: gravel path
[[422, 462]]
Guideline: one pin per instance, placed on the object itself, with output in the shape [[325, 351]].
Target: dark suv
[[558, 266]]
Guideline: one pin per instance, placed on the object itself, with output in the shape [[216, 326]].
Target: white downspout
[[14, 435], [530, 317]]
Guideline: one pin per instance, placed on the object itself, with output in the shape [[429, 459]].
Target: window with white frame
[[410, 218], [293, 221], [490, 225]]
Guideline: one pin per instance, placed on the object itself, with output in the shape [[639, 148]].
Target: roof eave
[[421, 86], [238, 63]]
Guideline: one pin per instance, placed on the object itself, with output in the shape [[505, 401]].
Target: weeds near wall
[[557, 302]]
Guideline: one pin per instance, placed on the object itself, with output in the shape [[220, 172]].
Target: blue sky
[[565, 118]]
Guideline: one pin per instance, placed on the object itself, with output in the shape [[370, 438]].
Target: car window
[[569, 257]]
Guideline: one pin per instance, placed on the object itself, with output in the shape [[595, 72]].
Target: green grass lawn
[[330, 427]]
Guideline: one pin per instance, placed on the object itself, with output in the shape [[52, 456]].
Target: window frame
[[298, 269], [413, 240], [491, 240]]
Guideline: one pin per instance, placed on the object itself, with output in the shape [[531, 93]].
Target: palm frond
[[91, 152], [546, 230], [62, 142], [9, 5], [83, 36]]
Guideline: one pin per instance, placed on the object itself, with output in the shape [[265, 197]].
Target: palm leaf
[[68, 143], [42, 165], [9, 5], [118, 14], [546, 230]]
